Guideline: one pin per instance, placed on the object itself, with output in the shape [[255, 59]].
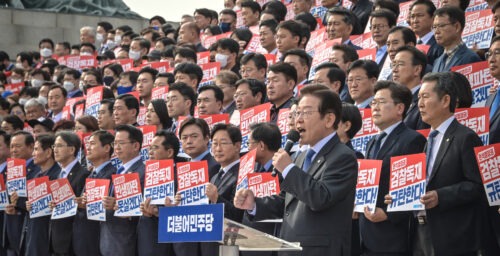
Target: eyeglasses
[[378, 26], [120, 143], [374, 103], [440, 26], [58, 146], [357, 79], [242, 94], [221, 144], [490, 54], [303, 114]]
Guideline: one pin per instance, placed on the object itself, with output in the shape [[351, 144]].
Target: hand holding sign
[[109, 202], [28, 206], [177, 198], [244, 199], [212, 193], [378, 216], [388, 199], [430, 199], [14, 197], [147, 209]]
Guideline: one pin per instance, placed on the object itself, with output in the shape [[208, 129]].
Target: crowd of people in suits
[[406, 88]]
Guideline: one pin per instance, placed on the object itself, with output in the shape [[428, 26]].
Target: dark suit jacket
[[354, 46], [37, 234], [86, 232], [495, 121], [62, 229], [401, 141], [362, 10], [119, 235], [14, 224], [462, 56], [213, 166], [456, 179], [413, 119], [316, 206], [435, 50], [230, 109]]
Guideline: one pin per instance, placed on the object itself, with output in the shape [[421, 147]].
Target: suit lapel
[[227, 176], [456, 57], [445, 144], [389, 141]]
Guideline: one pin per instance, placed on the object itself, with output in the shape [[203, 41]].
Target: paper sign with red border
[[159, 93], [367, 131], [283, 119], [488, 160], [255, 46], [322, 54], [161, 66], [317, 37], [126, 64], [4, 196], [141, 118], [159, 181], [270, 58], [14, 88], [212, 39], [127, 188], [364, 41], [93, 101], [423, 47], [477, 5], [64, 198], [263, 184], [480, 80], [215, 119], [404, 13], [367, 185], [95, 190], [192, 180], [257, 114], [39, 196], [203, 57], [247, 165], [148, 133], [477, 119], [16, 176], [72, 101], [479, 29], [367, 54], [210, 70], [407, 183], [290, 14]]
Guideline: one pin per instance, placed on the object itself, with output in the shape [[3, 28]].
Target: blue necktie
[[494, 106], [120, 170], [428, 151], [62, 174], [376, 147], [308, 160]]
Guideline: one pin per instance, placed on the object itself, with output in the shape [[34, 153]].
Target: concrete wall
[[22, 29]]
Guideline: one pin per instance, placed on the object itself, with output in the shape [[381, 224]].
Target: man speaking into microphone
[[317, 196]]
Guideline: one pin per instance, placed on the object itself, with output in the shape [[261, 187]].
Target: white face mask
[[54, 79], [19, 65], [42, 100], [85, 54], [36, 82], [118, 39], [135, 55], [69, 86], [222, 58], [111, 44], [99, 37], [45, 52], [23, 101], [81, 86]]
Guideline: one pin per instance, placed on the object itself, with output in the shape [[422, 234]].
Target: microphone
[[291, 138]]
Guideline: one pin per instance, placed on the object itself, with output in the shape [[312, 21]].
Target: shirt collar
[[454, 50], [229, 166], [391, 128], [201, 156], [320, 144], [444, 126], [268, 164], [70, 166], [365, 103], [129, 164], [427, 37], [100, 167], [415, 89]]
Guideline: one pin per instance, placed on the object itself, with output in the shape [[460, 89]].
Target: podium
[[238, 237]]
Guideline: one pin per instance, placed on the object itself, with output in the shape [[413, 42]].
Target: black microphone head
[[293, 135]]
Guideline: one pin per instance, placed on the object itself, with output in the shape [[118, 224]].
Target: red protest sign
[[367, 131], [364, 41], [148, 132], [95, 191], [215, 119], [210, 70], [162, 67], [93, 100], [63, 196], [367, 54], [479, 28], [14, 88], [16, 176], [477, 119], [127, 188], [192, 179], [407, 182], [159, 93], [39, 196], [247, 165], [263, 184], [258, 114], [159, 180], [488, 160], [317, 37], [203, 57], [141, 117], [367, 185], [480, 79]]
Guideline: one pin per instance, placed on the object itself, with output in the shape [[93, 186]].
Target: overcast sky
[[171, 10]]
